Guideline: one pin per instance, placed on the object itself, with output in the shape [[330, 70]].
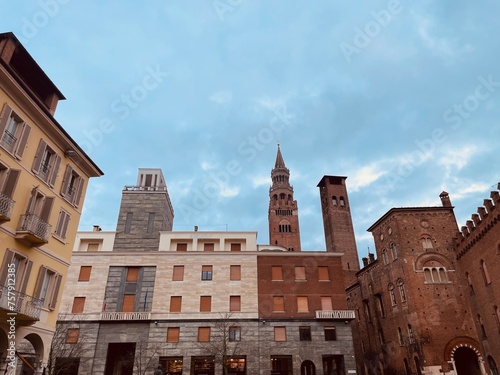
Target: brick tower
[[283, 212], [145, 210], [339, 232]]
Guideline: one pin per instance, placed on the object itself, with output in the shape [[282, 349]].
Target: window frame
[[61, 228], [22, 132], [72, 186], [207, 272], [46, 163], [330, 333], [305, 333]]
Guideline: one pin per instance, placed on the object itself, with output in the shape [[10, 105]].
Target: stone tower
[[283, 212], [337, 221], [145, 210]]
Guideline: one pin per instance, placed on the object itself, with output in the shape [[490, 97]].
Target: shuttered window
[[204, 334], [78, 305], [278, 304], [205, 303], [208, 247], [234, 303], [46, 163], [302, 304], [277, 273], [14, 132], [235, 247], [175, 304], [323, 273], [91, 247], [279, 333], [173, 334], [235, 273], [326, 303], [132, 274], [72, 335], [72, 186], [178, 273], [47, 287], [300, 273], [128, 303], [62, 224], [85, 273], [182, 246]]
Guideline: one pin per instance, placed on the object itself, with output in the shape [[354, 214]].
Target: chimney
[[371, 258], [196, 228], [445, 199], [97, 228], [365, 261]]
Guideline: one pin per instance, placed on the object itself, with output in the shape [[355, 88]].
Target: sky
[[400, 96]]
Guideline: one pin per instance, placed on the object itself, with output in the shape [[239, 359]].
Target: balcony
[[26, 307], [135, 315], [335, 314], [33, 230], [6, 206]]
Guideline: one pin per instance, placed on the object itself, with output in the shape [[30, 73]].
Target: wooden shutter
[[7, 259], [175, 304], [182, 247], [66, 180], [326, 303], [6, 111], [38, 156], [205, 303], [235, 273], [208, 247], [78, 305], [47, 207], [84, 273], [300, 273], [279, 333], [39, 281], [62, 224], [178, 274], [26, 276], [128, 303], [132, 274], [302, 304], [57, 280], [204, 334], [72, 335], [277, 273], [55, 169], [278, 304], [323, 273], [78, 191], [23, 141], [173, 334], [234, 303], [92, 247], [11, 182], [235, 247]]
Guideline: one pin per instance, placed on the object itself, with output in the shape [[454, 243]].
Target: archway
[[493, 365], [307, 368], [466, 361], [30, 354]]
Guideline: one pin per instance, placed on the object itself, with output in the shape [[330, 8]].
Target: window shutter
[[204, 334], [78, 191], [84, 273], [11, 182], [7, 259], [235, 247], [39, 281], [53, 302], [235, 273], [26, 276], [22, 143], [323, 273], [277, 273], [4, 117], [278, 304], [208, 247], [300, 273], [205, 303], [55, 169], [78, 305], [326, 303], [173, 334], [182, 247], [72, 335], [132, 274], [64, 228], [178, 274], [234, 303], [38, 157], [66, 180], [128, 303], [279, 333], [302, 304], [47, 207], [175, 303]]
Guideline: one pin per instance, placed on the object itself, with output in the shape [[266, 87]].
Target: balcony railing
[[335, 314], [21, 303], [6, 206], [33, 229], [137, 315]]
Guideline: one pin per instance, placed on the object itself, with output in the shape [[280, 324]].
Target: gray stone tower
[[145, 210]]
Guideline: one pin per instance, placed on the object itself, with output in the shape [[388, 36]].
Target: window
[[8, 182], [400, 337], [330, 334], [175, 304], [22, 266], [14, 132], [205, 303], [206, 272], [178, 273], [481, 324], [72, 335], [46, 163], [72, 186], [235, 303], [326, 303], [385, 256], [496, 312], [380, 305], [91, 247], [469, 281], [204, 334], [235, 247], [334, 200], [402, 292], [132, 274], [427, 242], [381, 337], [208, 247], [38, 213], [300, 273], [182, 247], [285, 228], [85, 273], [234, 333], [435, 275], [279, 333], [392, 294], [151, 223], [366, 308], [278, 304], [305, 333], [173, 334], [342, 201], [410, 334], [276, 273], [394, 251], [128, 304], [47, 287], [128, 222], [235, 273], [302, 304], [484, 271], [323, 273], [62, 224], [78, 305]]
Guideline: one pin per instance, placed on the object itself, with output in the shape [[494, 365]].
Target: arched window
[[411, 337], [394, 251], [385, 256], [342, 202], [400, 337], [427, 242], [402, 292], [407, 367], [481, 324], [469, 280], [493, 365], [496, 312], [334, 200], [282, 196], [486, 275], [436, 275], [392, 294], [275, 197], [417, 365]]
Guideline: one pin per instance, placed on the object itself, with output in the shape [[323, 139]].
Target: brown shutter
[[72, 335], [4, 117], [175, 303], [39, 281], [11, 182], [92, 247], [26, 276], [173, 334], [128, 303], [7, 259], [302, 304], [66, 180], [22, 142], [208, 247], [326, 303], [235, 273], [84, 273], [182, 247], [132, 274], [78, 191], [178, 274], [279, 333], [323, 273], [234, 303], [277, 273], [47, 207], [78, 305], [55, 169], [53, 302], [204, 334], [205, 303], [300, 273], [38, 157], [235, 247], [64, 229], [278, 304]]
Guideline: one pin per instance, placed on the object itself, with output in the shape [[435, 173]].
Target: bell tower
[[283, 213]]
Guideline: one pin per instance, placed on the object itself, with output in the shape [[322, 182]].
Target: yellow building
[[43, 178]]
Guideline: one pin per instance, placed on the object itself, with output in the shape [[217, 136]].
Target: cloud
[[365, 176], [222, 97], [260, 181]]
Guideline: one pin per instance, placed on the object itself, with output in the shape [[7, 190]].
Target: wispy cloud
[[222, 97]]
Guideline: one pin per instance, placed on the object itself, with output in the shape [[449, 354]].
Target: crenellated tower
[[283, 213]]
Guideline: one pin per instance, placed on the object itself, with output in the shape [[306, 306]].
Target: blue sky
[[400, 96]]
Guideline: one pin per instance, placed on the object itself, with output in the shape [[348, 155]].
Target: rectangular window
[[206, 272], [182, 247], [208, 247], [300, 273], [14, 132], [175, 304], [277, 273], [78, 305], [279, 333], [326, 303], [205, 303], [235, 273], [128, 303], [278, 304], [47, 287], [173, 334], [305, 333], [92, 247], [85, 273], [8, 183], [151, 222], [235, 247], [302, 304], [234, 303], [323, 273], [128, 222], [46, 163], [178, 274], [22, 266], [132, 274], [204, 334], [330, 334], [72, 186], [72, 335], [234, 333], [62, 224]]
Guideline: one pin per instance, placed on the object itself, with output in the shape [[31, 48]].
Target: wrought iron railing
[[335, 314], [6, 206], [135, 315], [21, 303], [34, 225]]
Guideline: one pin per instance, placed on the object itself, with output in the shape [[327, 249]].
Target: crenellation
[[476, 219], [495, 196], [482, 212], [470, 225]]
